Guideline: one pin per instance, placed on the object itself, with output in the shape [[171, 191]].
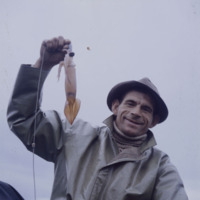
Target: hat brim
[[120, 89]]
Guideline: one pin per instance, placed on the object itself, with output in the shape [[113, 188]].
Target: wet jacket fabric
[[88, 165]]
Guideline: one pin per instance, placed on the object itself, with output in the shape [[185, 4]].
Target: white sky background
[[128, 39]]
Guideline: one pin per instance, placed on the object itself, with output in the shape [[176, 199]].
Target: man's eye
[[130, 103], [147, 109]]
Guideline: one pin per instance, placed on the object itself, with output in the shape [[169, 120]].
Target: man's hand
[[52, 52]]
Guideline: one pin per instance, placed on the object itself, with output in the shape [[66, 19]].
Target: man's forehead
[[139, 96]]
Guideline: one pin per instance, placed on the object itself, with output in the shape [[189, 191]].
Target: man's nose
[[136, 111]]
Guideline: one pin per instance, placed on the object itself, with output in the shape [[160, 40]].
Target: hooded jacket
[[88, 164]]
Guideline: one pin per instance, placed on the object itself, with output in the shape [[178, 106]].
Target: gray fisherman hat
[[144, 85]]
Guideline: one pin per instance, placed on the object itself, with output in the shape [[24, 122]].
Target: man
[[117, 160]]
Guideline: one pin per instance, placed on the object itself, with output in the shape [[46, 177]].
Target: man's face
[[134, 115]]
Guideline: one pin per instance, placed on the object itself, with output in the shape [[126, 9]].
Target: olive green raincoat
[[88, 165]]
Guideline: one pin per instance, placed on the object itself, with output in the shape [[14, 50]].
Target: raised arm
[[25, 118]]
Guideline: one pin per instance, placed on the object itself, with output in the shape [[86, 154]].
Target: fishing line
[[35, 121], [35, 118]]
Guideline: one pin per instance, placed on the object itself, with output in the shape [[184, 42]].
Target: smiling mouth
[[134, 122]]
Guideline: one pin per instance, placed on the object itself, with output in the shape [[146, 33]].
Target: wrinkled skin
[[135, 114]]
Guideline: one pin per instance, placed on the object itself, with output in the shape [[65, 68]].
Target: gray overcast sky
[[128, 39]]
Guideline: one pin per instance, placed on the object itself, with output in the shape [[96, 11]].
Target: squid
[[72, 104]]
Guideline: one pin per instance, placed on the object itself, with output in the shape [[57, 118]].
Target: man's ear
[[115, 106], [155, 121]]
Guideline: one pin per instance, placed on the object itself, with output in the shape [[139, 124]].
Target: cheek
[[149, 120], [121, 113]]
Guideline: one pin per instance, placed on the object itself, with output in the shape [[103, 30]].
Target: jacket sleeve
[[169, 184], [22, 120]]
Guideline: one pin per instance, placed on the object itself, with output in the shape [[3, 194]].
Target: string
[[35, 125]]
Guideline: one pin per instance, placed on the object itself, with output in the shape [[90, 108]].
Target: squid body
[[72, 104]]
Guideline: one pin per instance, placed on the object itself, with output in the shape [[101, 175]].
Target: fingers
[[56, 44], [54, 50]]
